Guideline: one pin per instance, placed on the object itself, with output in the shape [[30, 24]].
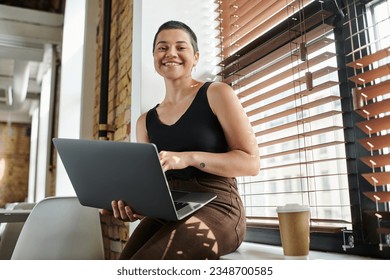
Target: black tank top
[[198, 129]]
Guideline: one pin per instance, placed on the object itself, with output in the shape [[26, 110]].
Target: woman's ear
[[196, 56]]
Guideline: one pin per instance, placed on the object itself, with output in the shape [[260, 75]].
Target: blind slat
[[309, 162], [374, 125], [310, 119], [378, 178], [383, 196], [369, 59], [371, 75], [375, 143], [376, 160], [300, 136], [383, 214], [306, 148], [293, 111], [290, 98], [374, 109], [375, 90]]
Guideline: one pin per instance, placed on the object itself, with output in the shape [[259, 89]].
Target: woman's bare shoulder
[[220, 87], [221, 92]]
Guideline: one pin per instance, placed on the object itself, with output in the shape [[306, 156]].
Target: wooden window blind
[[369, 65], [280, 58]]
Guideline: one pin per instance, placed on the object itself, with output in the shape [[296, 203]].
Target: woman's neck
[[180, 89]]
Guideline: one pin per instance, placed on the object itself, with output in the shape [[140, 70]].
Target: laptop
[[102, 171]]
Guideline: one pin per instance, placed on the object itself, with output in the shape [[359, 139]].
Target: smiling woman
[[205, 141]]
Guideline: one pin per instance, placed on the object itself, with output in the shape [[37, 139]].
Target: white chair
[[59, 228], [10, 231]]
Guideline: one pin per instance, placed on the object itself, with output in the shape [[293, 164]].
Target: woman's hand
[[173, 160], [124, 212]]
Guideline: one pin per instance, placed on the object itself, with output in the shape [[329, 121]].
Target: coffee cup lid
[[292, 208]]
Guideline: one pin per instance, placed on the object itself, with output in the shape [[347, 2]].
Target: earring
[[194, 68]]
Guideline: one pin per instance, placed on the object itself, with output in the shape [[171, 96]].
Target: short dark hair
[[173, 24]]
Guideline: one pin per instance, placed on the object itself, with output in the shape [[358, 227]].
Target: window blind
[[369, 65], [280, 58]]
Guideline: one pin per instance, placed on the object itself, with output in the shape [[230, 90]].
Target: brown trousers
[[214, 230]]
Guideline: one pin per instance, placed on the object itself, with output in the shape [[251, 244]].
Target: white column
[[77, 78]]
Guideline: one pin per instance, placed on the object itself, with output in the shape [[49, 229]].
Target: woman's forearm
[[231, 164]]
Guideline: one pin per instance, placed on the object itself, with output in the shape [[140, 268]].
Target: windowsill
[[255, 251]]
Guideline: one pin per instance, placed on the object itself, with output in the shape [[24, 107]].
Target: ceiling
[[27, 37]]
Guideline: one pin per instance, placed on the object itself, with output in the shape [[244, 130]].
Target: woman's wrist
[[196, 160]]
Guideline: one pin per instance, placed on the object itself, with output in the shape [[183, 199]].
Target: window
[[291, 64], [369, 75], [298, 125]]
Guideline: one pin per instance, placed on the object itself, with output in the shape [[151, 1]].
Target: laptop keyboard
[[179, 205]]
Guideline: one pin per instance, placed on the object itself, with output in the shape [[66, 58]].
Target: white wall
[[77, 78], [89, 70], [41, 130], [148, 87], [43, 140], [33, 155]]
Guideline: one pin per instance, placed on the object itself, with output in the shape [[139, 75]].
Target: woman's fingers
[[123, 212], [115, 209]]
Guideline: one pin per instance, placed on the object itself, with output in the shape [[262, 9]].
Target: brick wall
[[119, 70], [115, 232], [14, 162]]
